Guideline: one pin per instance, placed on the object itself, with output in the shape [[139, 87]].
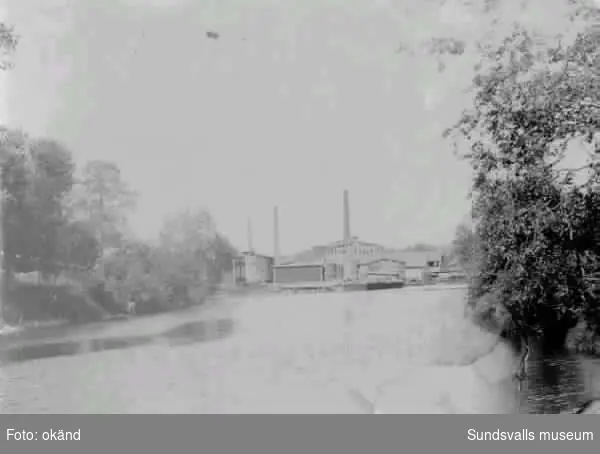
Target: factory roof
[[246, 253], [299, 264]]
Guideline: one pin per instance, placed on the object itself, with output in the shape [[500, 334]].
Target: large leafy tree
[[77, 247], [37, 175], [180, 269], [131, 271], [465, 247], [51, 179], [224, 254], [8, 44], [192, 236], [17, 218], [103, 200], [203, 254], [535, 219]]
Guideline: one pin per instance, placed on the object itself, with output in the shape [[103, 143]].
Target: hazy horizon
[[295, 102]]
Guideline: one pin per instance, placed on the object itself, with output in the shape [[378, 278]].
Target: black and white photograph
[[300, 207]]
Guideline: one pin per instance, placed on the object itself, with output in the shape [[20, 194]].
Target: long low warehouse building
[[297, 273]]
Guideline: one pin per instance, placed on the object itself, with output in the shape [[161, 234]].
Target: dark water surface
[[268, 354], [561, 383]]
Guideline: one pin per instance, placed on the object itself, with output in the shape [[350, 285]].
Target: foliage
[[535, 220], [465, 247], [69, 232], [102, 200], [51, 302], [180, 270], [36, 176], [8, 44], [77, 246], [422, 247]]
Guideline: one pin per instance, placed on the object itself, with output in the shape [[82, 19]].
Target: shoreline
[[38, 329]]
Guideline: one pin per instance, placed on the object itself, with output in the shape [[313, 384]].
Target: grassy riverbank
[[31, 306]]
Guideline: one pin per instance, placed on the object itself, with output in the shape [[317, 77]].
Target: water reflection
[[282, 354], [559, 384], [183, 334], [193, 332]]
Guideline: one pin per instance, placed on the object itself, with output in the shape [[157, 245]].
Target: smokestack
[[276, 235], [250, 248], [347, 236]]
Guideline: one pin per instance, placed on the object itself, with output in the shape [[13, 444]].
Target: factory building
[[252, 268], [295, 273], [344, 260], [382, 269], [347, 260]]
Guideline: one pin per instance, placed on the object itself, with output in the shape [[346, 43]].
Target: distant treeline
[[68, 252]]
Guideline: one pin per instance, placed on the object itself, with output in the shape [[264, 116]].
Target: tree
[[77, 246], [422, 247], [8, 45], [202, 253], [37, 175], [192, 235], [535, 222], [181, 269], [459, 39], [18, 222], [51, 180], [225, 253], [132, 271], [465, 247], [103, 200]]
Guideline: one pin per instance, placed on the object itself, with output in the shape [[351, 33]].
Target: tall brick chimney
[[276, 235], [347, 235], [250, 247]]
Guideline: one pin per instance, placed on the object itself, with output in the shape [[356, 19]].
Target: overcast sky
[[296, 101]]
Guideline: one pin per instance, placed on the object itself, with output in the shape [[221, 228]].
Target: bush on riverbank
[[159, 280], [27, 303], [181, 270]]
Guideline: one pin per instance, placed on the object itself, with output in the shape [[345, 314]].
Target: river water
[[281, 354]]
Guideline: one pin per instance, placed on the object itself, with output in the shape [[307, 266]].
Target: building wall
[[239, 270], [434, 265], [297, 274], [359, 250], [380, 269], [252, 275], [252, 269], [263, 269], [385, 267], [334, 272], [341, 258], [350, 269], [349, 254], [415, 273]]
